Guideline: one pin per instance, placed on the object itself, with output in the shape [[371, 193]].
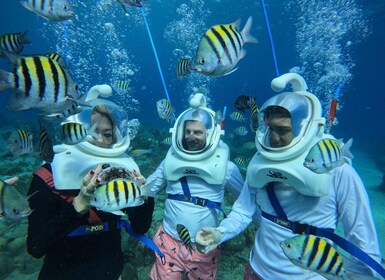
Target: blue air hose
[[155, 53], [270, 37]]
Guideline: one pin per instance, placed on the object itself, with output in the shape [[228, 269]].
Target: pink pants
[[179, 260]]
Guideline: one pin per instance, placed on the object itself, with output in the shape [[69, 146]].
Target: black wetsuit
[[94, 256]]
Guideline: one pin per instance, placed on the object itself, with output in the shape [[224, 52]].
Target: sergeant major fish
[[183, 67], [72, 133], [165, 110], [46, 147], [121, 193], [221, 47], [14, 42], [315, 254], [38, 82], [327, 154], [20, 143], [53, 10], [184, 236], [13, 205]]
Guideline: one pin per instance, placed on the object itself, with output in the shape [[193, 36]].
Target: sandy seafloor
[[15, 263]]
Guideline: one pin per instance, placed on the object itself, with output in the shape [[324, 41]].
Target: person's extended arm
[[239, 218], [356, 216]]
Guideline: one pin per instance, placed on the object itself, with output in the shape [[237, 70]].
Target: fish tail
[[346, 148], [24, 39], [247, 37], [5, 77]]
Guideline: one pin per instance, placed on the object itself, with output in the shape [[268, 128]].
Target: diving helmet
[[118, 118], [306, 118], [197, 112], [284, 164]]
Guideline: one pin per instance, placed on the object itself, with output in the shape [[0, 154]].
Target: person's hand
[[12, 180], [207, 239], [81, 202]]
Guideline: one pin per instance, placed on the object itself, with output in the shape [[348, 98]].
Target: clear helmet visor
[[286, 119], [107, 127], [194, 131]]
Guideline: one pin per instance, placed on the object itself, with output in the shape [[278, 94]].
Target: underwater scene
[[144, 55]]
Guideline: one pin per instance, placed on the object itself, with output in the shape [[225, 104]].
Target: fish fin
[[146, 189], [24, 3], [24, 39], [5, 77], [235, 69], [248, 38], [346, 148], [118, 213]]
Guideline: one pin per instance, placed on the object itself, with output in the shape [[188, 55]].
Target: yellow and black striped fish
[[184, 236], [38, 82], [327, 154], [313, 253], [121, 86], [164, 109], [221, 47], [20, 143], [255, 116], [183, 68], [13, 42], [244, 102], [71, 133], [46, 146], [237, 116], [118, 194]]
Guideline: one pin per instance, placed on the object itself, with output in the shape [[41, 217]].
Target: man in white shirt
[[292, 198], [194, 175]]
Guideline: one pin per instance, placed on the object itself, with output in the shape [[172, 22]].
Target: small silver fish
[[133, 3], [53, 10], [241, 130], [165, 110], [20, 143], [141, 152], [327, 154], [13, 205]]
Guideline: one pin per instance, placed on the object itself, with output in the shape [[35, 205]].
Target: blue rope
[[270, 37], [156, 55], [224, 111]]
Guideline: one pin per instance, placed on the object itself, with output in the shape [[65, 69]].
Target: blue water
[[340, 43]]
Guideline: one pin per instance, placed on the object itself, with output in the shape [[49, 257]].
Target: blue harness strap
[[186, 196], [299, 228], [142, 238]]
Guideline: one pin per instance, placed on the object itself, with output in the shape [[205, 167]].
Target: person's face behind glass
[[194, 135], [102, 134], [281, 130]]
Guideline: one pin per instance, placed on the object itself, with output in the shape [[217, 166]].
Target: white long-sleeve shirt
[[346, 204], [192, 216]]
